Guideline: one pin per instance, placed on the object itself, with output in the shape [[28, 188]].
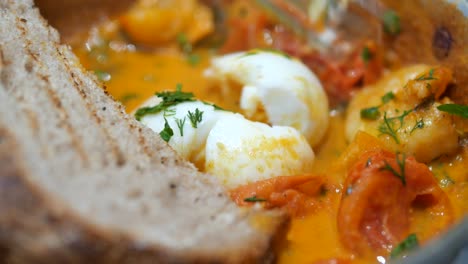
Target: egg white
[[282, 87], [239, 151], [230, 147]]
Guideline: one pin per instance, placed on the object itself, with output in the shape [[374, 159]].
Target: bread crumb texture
[[83, 182]]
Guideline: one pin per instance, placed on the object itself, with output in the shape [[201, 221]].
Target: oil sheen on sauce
[[131, 77]]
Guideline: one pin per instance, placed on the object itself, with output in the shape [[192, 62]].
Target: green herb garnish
[[371, 113], [180, 124], [445, 179], [254, 199], [391, 22], [193, 59], [177, 96], [442, 175], [401, 165], [168, 99], [366, 55], [196, 117], [387, 97], [102, 75], [184, 44], [169, 112], [128, 97], [410, 243], [216, 107], [419, 125], [455, 109], [167, 132], [187, 49], [429, 77], [388, 126]]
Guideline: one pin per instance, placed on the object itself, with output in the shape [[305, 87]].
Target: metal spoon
[[302, 16]]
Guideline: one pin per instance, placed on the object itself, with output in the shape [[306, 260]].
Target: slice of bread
[[83, 182]]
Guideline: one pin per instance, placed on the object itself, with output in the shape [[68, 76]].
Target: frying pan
[[436, 32]]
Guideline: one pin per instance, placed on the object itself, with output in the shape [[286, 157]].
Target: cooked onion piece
[[401, 109], [276, 88], [225, 144]]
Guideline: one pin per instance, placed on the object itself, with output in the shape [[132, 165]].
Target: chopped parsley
[[371, 113], [184, 44], [366, 55], [254, 199], [216, 107], [428, 77], [410, 243], [193, 59], [180, 124], [167, 132], [401, 165], [387, 97], [446, 180], [187, 48], [391, 22], [177, 96], [442, 175], [128, 97], [169, 112], [388, 126], [455, 109], [168, 99], [102, 75], [195, 117]]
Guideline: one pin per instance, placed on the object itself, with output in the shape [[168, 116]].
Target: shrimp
[[401, 110], [156, 22]]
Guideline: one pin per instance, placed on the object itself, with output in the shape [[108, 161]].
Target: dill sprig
[[195, 117], [388, 126], [401, 167], [169, 98]]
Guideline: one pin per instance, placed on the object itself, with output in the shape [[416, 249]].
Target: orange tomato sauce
[[313, 237], [132, 76]]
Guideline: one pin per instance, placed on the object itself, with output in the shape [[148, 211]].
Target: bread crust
[[37, 226], [35, 230]]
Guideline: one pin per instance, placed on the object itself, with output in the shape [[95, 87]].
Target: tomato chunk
[[293, 193], [380, 192]]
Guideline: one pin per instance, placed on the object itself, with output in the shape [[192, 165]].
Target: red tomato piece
[[295, 194], [380, 192]]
